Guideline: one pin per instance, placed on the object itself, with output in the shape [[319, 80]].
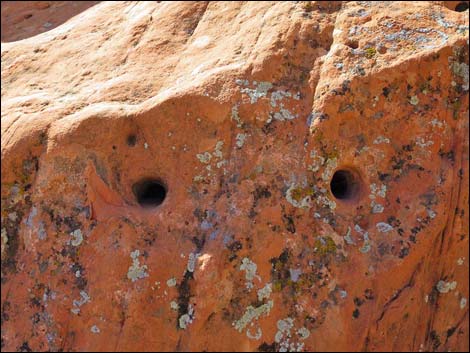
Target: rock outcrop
[[256, 176]]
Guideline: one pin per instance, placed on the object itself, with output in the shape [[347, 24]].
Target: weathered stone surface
[[315, 162]]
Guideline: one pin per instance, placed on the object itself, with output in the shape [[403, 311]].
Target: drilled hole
[[131, 140], [149, 192], [462, 6], [345, 185]]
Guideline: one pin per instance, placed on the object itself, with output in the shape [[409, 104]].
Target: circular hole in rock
[[149, 192], [345, 184], [131, 140], [461, 6]]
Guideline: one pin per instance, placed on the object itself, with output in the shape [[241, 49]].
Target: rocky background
[[256, 176]]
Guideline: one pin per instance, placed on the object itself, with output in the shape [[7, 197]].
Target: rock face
[[236, 176]]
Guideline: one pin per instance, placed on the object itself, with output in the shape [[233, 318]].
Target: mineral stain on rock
[[225, 176]]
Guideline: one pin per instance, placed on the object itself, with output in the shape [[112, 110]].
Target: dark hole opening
[[344, 185], [462, 6], [149, 192], [131, 140]]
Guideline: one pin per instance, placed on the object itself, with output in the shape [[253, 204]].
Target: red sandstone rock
[[314, 158]]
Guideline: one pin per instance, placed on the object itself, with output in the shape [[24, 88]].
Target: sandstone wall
[[312, 159]]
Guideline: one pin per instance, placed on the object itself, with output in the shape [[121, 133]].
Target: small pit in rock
[[345, 184], [149, 192]]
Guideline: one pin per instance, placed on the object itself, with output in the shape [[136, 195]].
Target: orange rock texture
[[255, 176]]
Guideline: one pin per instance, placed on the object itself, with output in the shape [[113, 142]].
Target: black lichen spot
[[234, 247], [451, 331], [355, 313], [369, 294], [24, 347], [358, 301], [386, 91], [288, 221], [184, 295], [435, 340], [264, 347], [5, 308]]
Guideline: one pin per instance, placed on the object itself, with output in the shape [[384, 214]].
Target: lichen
[[84, 298], [445, 287], [265, 292], [250, 268], [235, 116], [463, 303], [299, 196], [240, 140], [324, 246], [381, 139], [136, 271], [252, 313], [187, 318], [384, 227], [414, 100], [370, 52], [204, 157], [331, 165], [285, 339], [77, 237], [192, 262], [171, 282], [261, 89]]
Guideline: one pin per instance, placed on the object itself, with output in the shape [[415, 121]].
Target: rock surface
[[312, 159]]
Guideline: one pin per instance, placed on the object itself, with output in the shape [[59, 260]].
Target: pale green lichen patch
[[288, 338], [235, 116], [445, 287], [204, 157], [187, 318], [331, 165], [300, 197], [192, 258], [414, 100], [174, 305], [376, 207], [317, 161], [383, 227], [375, 192], [250, 268], [265, 292], [77, 237], [463, 303], [136, 271], [211, 159], [261, 90], [240, 140], [381, 139], [84, 298], [461, 70], [4, 240], [366, 245], [252, 313], [171, 282]]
